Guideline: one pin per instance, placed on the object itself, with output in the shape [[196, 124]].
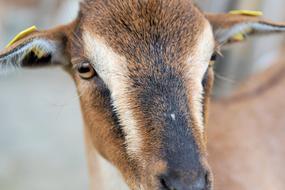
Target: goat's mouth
[[163, 184], [199, 178]]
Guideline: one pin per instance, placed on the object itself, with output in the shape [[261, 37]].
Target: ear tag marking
[[238, 37], [246, 13], [22, 34]]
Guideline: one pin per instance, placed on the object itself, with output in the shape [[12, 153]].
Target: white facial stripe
[[112, 69], [198, 64]]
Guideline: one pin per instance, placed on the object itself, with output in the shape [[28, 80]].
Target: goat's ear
[[237, 25], [36, 48]]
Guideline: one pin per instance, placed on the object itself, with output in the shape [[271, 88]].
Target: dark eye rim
[[214, 57], [205, 78]]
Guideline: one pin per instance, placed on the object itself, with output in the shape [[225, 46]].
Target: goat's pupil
[[84, 68]]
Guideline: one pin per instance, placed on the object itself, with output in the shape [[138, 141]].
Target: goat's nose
[[176, 181]]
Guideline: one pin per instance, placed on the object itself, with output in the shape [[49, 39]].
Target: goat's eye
[[214, 57], [86, 71]]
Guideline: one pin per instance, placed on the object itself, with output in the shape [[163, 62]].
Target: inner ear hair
[[33, 60], [30, 50], [38, 48], [231, 28]]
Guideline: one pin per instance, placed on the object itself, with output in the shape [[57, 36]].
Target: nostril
[[164, 184], [174, 182], [200, 183], [203, 182], [208, 180]]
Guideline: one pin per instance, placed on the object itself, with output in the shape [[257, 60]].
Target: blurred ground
[[41, 143]]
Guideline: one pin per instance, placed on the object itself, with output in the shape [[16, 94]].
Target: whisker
[[225, 79]]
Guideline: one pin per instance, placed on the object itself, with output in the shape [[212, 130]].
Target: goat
[[143, 70]]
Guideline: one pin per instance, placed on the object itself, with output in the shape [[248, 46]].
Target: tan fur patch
[[198, 64]]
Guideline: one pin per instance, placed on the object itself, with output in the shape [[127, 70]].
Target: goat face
[[147, 100]]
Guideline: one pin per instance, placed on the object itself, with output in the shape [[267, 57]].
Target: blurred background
[[41, 139]]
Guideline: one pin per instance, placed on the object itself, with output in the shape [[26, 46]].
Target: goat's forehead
[[136, 29]]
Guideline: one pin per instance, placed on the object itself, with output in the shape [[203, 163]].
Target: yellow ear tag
[[238, 37], [246, 12], [22, 34], [241, 36]]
